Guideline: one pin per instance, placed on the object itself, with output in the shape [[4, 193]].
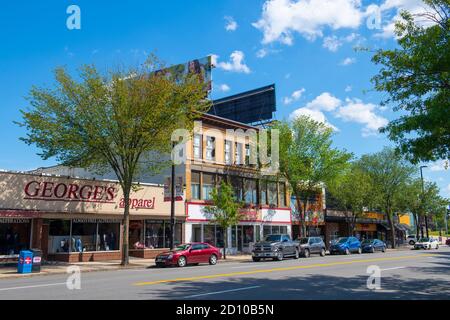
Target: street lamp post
[[423, 198]]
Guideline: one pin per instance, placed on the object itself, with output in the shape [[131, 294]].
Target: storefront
[[79, 219], [256, 224]]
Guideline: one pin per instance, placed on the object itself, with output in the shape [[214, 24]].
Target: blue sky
[[305, 47]]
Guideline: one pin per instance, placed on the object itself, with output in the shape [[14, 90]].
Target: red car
[[189, 253]]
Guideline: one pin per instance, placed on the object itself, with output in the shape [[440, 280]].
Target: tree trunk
[[126, 227], [391, 224], [300, 220], [417, 224], [225, 242], [305, 205]]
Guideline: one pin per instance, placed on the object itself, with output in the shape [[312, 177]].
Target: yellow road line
[[278, 269]]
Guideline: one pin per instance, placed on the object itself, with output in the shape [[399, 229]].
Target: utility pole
[[423, 198], [172, 202]]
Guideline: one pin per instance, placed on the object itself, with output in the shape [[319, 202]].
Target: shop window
[[283, 229], [248, 235], [209, 234], [154, 235], [282, 188], [210, 148], [14, 236], [136, 240], [59, 236], [208, 185], [250, 191], [266, 231], [109, 235], [272, 196], [276, 230], [197, 146], [219, 237], [263, 192], [84, 237], [233, 236], [197, 233], [228, 154], [257, 233], [195, 185]]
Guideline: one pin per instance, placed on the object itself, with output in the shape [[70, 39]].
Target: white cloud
[[261, 53], [313, 114], [223, 87], [348, 88], [282, 18], [355, 110], [413, 6], [231, 24], [325, 102], [236, 65], [332, 43], [297, 94], [440, 165], [347, 61]]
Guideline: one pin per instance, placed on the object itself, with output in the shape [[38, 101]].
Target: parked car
[[311, 245], [447, 242], [427, 243], [276, 247], [189, 253], [346, 245], [411, 239], [372, 245]]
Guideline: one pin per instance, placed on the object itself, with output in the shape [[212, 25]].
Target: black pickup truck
[[276, 247]]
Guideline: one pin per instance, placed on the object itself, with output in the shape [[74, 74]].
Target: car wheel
[[322, 252], [213, 259], [297, 254], [411, 242], [280, 256], [347, 252], [373, 250], [256, 259], [359, 250], [437, 246], [306, 254], [181, 261], [383, 249]]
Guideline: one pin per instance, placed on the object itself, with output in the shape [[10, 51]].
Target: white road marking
[[395, 268], [218, 292], [35, 286]]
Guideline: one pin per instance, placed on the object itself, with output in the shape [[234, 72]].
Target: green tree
[[411, 201], [225, 210], [353, 192], [416, 77], [307, 159], [120, 121], [389, 173]]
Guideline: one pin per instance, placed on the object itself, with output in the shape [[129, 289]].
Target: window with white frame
[[228, 155], [210, 148], [197, 146], [238, 153]]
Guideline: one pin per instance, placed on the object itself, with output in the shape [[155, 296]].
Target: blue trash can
[[25, 261]]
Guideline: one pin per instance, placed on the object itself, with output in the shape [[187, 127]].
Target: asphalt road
[[404, 275]]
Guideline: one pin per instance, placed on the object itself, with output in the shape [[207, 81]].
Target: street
[[406, 274]]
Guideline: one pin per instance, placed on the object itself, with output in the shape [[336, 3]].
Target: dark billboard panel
[[248, 107]]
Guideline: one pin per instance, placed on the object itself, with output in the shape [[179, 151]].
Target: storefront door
[[240, 238]]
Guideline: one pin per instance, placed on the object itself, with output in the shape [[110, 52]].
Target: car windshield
[[303, 240], [368, 241], [273, 237], [424, 240], [343, 240], [181, 247]]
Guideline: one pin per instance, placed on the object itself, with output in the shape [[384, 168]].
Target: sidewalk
[[9, 272]]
